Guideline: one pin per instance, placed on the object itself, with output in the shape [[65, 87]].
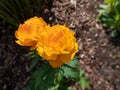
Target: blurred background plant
[[109, 15], [14, 12]]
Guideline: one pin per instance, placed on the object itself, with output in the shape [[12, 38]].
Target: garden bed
[[98, 56]]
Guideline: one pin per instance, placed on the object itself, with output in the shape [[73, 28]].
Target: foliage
[[109, 15], [13, 12], [41, 78], [34, 59], [83, 81], [48, 78]]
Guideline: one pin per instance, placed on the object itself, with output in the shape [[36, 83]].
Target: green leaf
[[109, 1], [84, 83], [82, 73], [71, 69], [42, 78], [114, 33], [70, 73], [53, 87], [49, 79], [41, 70], [63, 87], [74, 63], [59, 76], [117, 17], [104, 7], [34, 60]]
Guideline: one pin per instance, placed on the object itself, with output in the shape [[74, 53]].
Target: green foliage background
[[14, 12], [109, 15]]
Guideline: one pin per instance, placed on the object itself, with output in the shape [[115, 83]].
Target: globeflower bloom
[[59, 45], [28, 33], [56, 44]]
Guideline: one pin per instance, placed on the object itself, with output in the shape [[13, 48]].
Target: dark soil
[[98, 56]]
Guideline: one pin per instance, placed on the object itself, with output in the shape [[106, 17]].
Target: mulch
[[98, 56]]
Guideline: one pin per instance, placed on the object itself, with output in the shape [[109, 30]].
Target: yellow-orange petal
[[28, 34]]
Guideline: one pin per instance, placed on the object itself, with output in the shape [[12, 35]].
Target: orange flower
[[28, 33], [58, 45]]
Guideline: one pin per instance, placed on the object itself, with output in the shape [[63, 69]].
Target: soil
[[98, 56]]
